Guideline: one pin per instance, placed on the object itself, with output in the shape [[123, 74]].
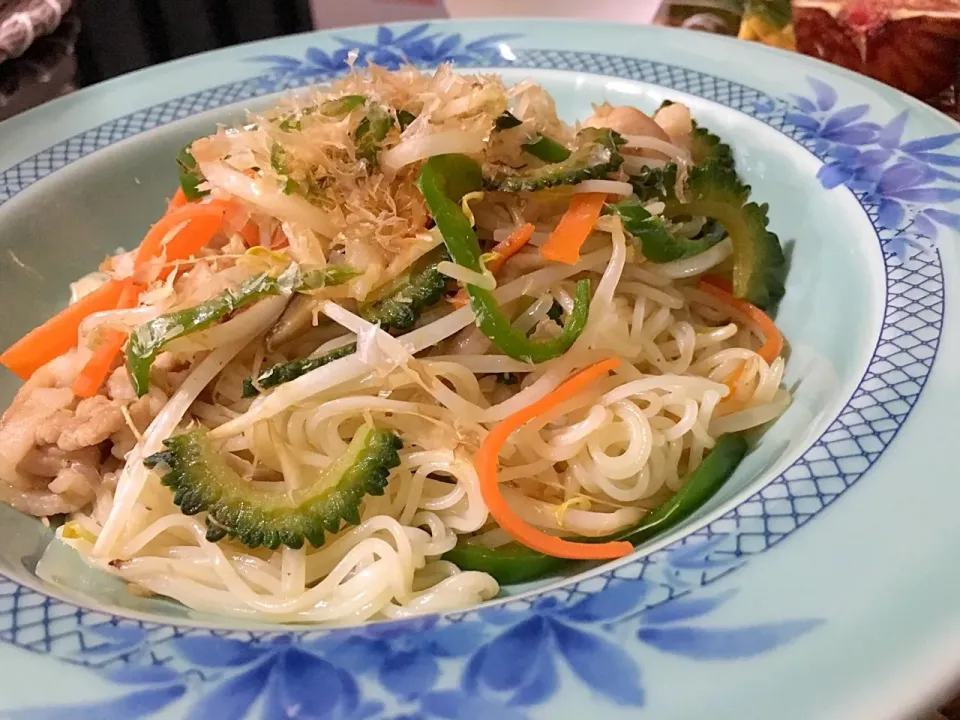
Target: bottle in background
[[768, 22], [765, 21], [721, 17]]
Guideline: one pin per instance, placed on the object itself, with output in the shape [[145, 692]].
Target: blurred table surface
[[100, 39]]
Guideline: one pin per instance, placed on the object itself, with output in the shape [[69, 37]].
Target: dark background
[[117, 36]]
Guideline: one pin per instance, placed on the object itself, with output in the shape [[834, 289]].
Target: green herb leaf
[[370, 134], [657, 243], [341, 106], [190, 175], [507, 120], [278, 159], [404, 118], [547, 150]]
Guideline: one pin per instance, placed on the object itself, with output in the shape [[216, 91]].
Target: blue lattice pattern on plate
[[893, 381], [21, 176]]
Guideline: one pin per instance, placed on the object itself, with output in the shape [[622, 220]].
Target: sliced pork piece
[[31, 409], [93, 421]]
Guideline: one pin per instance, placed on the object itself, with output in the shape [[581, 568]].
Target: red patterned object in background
[[23, 21], [45, 71], [913, 45]]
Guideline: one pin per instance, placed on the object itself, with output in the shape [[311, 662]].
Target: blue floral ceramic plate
[[820, 583]]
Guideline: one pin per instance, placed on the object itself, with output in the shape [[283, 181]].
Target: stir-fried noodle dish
[[399, 341]]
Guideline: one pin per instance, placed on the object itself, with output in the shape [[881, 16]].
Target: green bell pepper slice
[[148, 340], [514, 563], [547, 149], [443, 181]]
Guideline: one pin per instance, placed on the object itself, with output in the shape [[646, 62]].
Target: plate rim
[[326, 34]]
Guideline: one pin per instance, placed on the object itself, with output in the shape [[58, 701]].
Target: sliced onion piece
[[125, 320], [752, 417], [291, 208], [644, 142], [611, 187], [482, 364], [425, 146], [466, 275], [696, 265]]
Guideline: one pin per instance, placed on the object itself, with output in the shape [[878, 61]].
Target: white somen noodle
[[359, 329]]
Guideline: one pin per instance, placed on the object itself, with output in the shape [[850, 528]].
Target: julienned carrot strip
[[179, 199], [58, 334], [502, 251], [203, 222], [509, 246], [721, 283], [279, 239], [772, 337], [727, 287], [731, 381], [488, 458], [577, 223], [250, 234], [93, 374], [190, 239]]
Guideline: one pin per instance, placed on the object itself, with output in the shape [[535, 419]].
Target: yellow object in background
[[768, 22]]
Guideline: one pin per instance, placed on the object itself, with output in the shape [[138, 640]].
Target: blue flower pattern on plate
[[498, 662], [902, 177], [291, 678], [503, 662], [417, 46]]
